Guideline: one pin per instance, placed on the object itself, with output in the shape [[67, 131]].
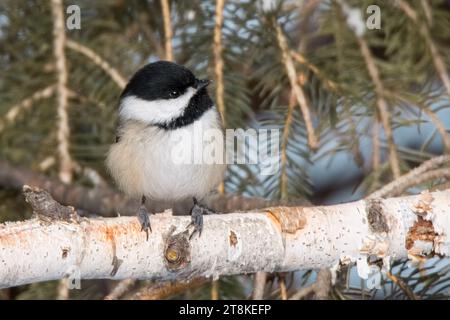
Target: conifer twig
[[167, 30], [63, 131], [427, 10], [357, 27], [120, 289], [414, 177], [402, 285], [63, 291], [218, 59], [284, 142], [376, 157], [143, 19], [381, 104], [25, 104], [167, 289], [283, 289], [332, 86], [438, 61], [298, 91], [320, 288], [423, 178], [259, 284], [215, 290], [440, 127], [99, 61], [218, 73]]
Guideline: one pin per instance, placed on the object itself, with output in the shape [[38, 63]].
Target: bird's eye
[[174, 94]]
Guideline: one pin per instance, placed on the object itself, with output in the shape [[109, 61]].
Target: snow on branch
[[58, 243]]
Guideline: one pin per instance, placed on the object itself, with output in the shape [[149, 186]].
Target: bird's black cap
[[167, 80], [161, 80]]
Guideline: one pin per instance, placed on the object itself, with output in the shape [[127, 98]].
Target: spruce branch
[[283, 289], [168, 50], [99, 61], [62, 291], [376, 157], [297, 89], [440, 127], [416, 176], [218, 74], [381, 104], [25, 104], [218, 59], [63, 128], [215, 290], [259, 285], [120, 289], [167, 289], [300, 58], [402, 285], [428, 11], [283, 150], [143, 22], [320, 289], [425, 32]]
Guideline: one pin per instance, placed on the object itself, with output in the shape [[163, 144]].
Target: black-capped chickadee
[[161, 100]]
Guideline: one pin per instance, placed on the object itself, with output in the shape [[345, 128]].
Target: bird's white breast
[[142, 162]]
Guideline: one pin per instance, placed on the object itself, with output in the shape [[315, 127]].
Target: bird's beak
[[202, 84]]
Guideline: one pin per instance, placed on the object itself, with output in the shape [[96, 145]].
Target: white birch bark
[[275, 239]]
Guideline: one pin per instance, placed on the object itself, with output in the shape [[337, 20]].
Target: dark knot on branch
[[177, 251], [44, 205]]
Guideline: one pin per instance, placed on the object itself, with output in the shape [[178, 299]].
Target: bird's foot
[[197, 213], [144, 220]]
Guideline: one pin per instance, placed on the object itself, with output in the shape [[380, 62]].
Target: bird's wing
[[119, 132]]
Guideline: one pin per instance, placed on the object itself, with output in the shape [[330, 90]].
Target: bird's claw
[[144, 220], [197, 213]]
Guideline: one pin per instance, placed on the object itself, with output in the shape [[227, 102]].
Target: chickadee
[[161, 99]]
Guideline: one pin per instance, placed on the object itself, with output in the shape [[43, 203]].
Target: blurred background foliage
[[341, 96]]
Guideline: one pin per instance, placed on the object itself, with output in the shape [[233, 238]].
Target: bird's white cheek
[[157, 111]]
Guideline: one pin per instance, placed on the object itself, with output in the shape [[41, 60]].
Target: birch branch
[[58, 243]]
